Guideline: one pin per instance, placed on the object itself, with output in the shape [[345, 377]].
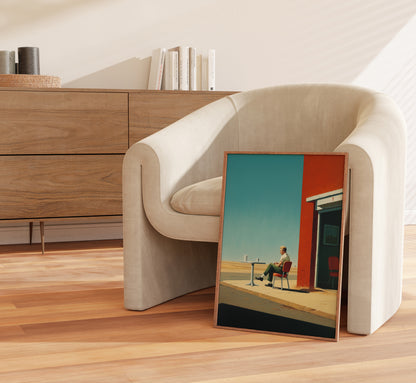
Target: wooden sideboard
[[61, 150]]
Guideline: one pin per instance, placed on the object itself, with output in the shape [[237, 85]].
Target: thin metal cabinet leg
[[30, 232], [42, 236]]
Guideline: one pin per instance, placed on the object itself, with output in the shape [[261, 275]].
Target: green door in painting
[[329, 229], [328, 208]]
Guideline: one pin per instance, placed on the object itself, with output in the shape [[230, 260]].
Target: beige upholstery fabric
[[202, 198], [168, 253]]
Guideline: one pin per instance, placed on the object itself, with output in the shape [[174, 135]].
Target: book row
[[181, 68]]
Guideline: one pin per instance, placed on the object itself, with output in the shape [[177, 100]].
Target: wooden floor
[[62, 320]]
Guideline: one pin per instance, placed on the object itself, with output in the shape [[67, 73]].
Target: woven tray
[[29, 81]]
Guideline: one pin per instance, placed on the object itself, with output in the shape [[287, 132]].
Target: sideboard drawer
[[60, 186], [63, 122], [152, 111]]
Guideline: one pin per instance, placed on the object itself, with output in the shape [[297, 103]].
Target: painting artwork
[[281, 243]]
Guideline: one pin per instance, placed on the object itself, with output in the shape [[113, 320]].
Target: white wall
[[258, 42], [393, 71], [107, 43]]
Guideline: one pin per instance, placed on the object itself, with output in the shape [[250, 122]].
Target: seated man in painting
[[275, 267]]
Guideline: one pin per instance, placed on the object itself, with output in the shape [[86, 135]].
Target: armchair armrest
[[377, 163], [186, 152]]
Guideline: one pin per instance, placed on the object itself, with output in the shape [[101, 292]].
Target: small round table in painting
[[252, 271]]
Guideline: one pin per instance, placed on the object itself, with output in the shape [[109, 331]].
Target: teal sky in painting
[[262, 206]]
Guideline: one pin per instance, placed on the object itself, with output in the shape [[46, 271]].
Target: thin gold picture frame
[[315, 193]]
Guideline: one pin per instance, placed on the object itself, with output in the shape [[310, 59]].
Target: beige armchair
[[169, 253]]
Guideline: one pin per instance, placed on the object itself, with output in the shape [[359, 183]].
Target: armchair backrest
[[298, 117]]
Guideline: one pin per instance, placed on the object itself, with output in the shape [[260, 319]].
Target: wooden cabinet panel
[[152, 111], [61, 150], [33, 122], [60, 186]]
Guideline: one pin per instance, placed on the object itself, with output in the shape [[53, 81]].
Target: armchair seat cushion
[[201, 198]]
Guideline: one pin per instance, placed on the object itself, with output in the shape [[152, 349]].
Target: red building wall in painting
[[321, 174]]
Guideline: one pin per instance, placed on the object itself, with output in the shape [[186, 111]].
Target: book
[[204, 72], [156, 69], [192, 69], [183, 66], [170, 74], [211, 69], [199, 72]]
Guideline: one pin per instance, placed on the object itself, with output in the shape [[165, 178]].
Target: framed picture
[[281, 243]]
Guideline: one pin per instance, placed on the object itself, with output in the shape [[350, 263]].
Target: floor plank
[[62, 320]]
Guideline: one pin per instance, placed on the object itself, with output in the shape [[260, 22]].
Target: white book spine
[[192, 69], [156, 69], [211, 69], [161, 66], [204, 73], [175, 71], [183, 68], [166, 71], [199, 72], [170, 75]]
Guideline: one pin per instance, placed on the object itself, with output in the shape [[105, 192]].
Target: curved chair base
[[157, 268]]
